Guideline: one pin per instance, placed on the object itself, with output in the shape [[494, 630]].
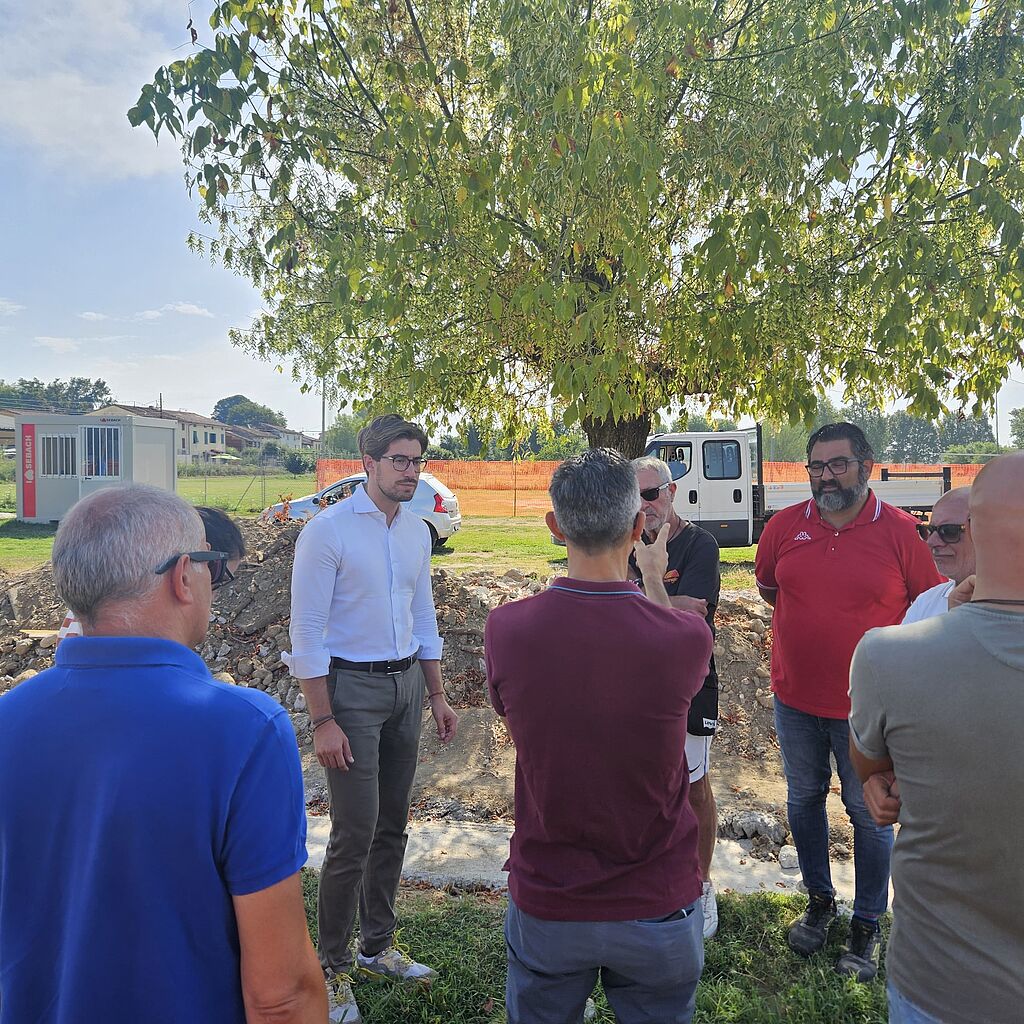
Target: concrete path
[[456, 853]]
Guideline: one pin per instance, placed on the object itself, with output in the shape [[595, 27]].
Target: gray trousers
[[381, 716], [649, 969]]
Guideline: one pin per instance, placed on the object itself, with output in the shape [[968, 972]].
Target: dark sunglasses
[[651, 494], [217, 563], [949, 533]]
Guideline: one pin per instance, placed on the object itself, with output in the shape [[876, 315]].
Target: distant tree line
[[895, 437]]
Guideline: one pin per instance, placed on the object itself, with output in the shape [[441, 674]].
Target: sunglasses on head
[[949, 533], [216, 561], [651, 493]]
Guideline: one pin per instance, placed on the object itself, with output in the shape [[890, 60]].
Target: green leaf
[[201, 138]]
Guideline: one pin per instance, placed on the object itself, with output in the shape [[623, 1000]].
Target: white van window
[[678, 455], [721, 460]]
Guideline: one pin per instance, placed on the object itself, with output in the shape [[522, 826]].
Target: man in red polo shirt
[[603, 867], [834, 567]]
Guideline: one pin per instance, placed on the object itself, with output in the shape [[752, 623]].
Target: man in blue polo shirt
[[152, 822]]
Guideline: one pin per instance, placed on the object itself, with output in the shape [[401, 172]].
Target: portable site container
[[62, 458]]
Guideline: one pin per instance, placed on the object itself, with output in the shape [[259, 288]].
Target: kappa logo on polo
[[802, 535]]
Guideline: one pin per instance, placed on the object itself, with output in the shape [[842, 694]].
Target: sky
[[96, 279]]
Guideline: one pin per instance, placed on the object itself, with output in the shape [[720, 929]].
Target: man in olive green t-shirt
[[940, 704]]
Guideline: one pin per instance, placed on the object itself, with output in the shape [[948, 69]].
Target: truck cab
[[718, 481]]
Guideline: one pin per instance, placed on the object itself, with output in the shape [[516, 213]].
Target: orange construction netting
[[520, 488], [794, 472]]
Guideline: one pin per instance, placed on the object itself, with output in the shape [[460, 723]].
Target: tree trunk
[[629, 436]]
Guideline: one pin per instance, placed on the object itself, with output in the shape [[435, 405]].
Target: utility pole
[[323, 405]]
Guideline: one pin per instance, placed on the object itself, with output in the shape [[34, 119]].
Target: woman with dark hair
[[222, 534]]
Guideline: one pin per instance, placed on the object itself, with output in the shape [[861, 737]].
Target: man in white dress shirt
[[948, 536], [365, 649]]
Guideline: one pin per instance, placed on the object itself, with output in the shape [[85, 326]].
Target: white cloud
[[186, 309], [148, 314], [92, 317], [59, 346], [69, 71], [9, 308]]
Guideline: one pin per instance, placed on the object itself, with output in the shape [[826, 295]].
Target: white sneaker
[[342, 1006], [395, 964], [709, 908]]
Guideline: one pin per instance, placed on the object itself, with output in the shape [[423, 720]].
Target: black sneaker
[[807, 934], [863, 950]]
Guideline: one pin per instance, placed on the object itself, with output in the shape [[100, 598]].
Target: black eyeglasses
[[836, 466], [217, 563], [651, 494], [403, 462], [949, 533]]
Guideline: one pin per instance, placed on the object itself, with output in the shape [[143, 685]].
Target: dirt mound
[[250, 630]]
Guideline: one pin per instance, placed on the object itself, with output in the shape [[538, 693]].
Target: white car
[[433, 502]]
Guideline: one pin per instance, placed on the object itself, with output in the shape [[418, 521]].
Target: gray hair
[[595, 498], [660, 467], [110, 543]]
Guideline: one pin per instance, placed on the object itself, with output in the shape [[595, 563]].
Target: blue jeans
[[649, 969], [805, 741], [903, 1011]]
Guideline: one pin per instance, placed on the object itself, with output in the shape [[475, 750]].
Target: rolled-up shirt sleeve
[[424, 617], [318, 558]]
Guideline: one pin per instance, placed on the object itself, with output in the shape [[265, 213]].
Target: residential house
[[244, 439], [199, 437], [285, 436], [7, 427], [289, 438]]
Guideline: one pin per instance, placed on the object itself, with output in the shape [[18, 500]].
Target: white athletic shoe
[[709, 908], [342, 1006], [395, 964]]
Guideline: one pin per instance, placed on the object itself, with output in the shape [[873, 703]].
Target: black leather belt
[[387, 668]]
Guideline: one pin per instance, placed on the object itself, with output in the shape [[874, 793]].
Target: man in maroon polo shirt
[[834, 567], [603, 872]]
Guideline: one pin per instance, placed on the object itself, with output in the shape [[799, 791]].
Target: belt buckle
[[393, 671]]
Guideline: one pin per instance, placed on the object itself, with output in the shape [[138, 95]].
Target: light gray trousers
[[381, 716]]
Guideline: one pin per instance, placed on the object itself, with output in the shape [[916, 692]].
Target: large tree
[[609, 205], [244, 412], [1017, 428], [911, 439]]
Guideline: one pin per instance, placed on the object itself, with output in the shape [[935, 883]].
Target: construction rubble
[[249, 631]]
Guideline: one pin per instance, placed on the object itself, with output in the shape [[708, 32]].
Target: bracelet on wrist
[[439, 693], [323, 720]]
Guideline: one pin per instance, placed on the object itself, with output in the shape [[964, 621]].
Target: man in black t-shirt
[[693, 581]]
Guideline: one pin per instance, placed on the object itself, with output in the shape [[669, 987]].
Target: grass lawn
[[244, 494], [500, 543], [750, 975], [23, 546]]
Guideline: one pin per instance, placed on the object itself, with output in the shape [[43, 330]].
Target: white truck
[[720, 484]]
